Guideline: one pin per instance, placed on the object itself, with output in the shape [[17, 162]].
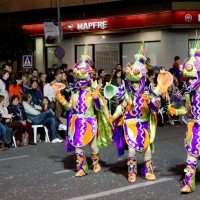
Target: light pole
[[59, 26]]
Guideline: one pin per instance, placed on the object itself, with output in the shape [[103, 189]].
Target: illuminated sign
[[157, 19], [93, 25]]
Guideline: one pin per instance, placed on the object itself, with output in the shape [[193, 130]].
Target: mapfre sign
[[92, 25], [147, 20]]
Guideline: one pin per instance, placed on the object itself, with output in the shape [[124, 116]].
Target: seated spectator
[[4, 75], [17, 110], [46, 118], [36, 96], [45, 104], [3, 137], [15, 87]]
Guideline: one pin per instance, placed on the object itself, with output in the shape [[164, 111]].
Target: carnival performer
[[136, 114], [191, 72], [85, 109]]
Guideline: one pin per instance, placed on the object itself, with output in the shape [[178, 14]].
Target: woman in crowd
[[117, 78], [15, 87], [45, 104], [150, 79], [34, 92], [113, 72], [4, 75], [17, 110]]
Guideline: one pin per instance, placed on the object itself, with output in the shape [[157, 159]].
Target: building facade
[[112, 29]]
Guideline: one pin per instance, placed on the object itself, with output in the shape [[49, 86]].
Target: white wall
[[39, 55], [173, 43]]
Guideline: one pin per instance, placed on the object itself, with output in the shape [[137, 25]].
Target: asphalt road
[[46, 172]]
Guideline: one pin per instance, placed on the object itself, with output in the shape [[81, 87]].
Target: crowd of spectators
[[28, 99]]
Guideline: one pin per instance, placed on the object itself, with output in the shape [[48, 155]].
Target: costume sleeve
[[153, 107], [97, 103], [95, 95], [119, 110], [67, 105], [180, 111]]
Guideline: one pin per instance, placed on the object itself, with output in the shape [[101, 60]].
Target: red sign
[[158, 19], [59, 52]]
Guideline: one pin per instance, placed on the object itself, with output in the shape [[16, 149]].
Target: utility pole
[[59, 26]]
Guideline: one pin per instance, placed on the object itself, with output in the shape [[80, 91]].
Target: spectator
[[7, 67], [10, 126], [25, 82], [17, 110], [150, 78], [70, 77], [113, 72], [119, 67], [64, 67], [64, 79], [15, 88], [34, 75], [147, 62], [46, 118], [33, 91], [45, 104], [3, 137], [117, 78], [176, 67], [48, 90], [101, 74], [4, 75], [175, 83], [42, 83]]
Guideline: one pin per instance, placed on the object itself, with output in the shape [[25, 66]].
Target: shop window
[[152, 51], [79, 50], [51, 58], [106, 56]]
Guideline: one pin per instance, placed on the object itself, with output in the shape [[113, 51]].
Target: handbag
[[25, 138]]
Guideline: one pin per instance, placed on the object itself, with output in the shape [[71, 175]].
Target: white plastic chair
[[35, 132]]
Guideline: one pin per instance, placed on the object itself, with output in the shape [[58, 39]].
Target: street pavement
[[46, 171]]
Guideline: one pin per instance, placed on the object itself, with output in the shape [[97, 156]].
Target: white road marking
[[64, 171], [122, 189], [13, 158]]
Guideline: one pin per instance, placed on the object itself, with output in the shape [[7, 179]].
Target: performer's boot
[[95, 160], [132, 169], [189, 181], [82, 166], [147, 170]]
